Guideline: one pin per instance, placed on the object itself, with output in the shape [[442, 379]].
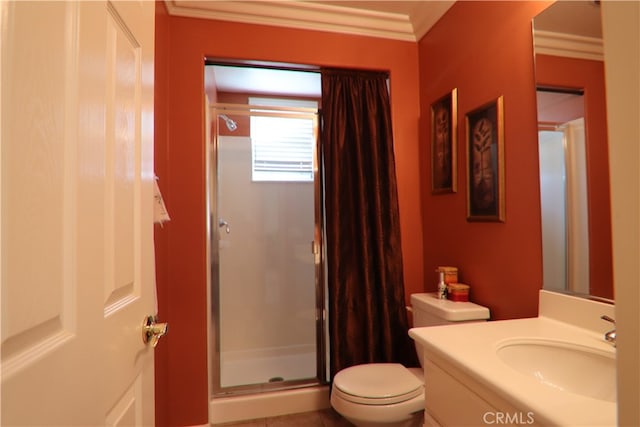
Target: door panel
[[35, 215], [122, 83], [128, 255], [40, 328], [77, 242], [127, 411]]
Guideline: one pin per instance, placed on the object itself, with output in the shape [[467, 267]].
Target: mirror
[[573, 152]]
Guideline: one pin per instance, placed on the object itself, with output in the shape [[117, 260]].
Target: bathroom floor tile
[[331, 418], [252, 423], [311, 419], [325, 418]]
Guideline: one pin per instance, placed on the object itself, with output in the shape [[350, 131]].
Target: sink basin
[[573, 368]]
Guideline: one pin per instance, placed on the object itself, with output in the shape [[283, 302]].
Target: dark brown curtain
[[367, 315]]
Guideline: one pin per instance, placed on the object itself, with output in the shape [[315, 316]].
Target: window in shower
[[266, 277], [282, 147]]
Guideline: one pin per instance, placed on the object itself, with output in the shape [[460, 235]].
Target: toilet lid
[[377, 383]]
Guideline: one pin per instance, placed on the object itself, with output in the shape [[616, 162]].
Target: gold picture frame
[[444, 143], [485, 162]]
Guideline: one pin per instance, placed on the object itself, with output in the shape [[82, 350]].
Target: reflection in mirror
[[572, 138], [563, 192]]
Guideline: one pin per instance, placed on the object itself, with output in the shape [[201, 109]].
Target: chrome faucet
[[611, 335]]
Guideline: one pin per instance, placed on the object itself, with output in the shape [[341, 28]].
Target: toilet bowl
[[389, 394], [379, 394]]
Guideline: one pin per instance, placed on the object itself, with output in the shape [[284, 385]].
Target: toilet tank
[[428, 310]]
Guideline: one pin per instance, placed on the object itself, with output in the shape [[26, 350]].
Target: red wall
[[485, 50], [182, 44], [572, 73]]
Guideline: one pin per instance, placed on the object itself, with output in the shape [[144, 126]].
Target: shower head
[[231, 125]]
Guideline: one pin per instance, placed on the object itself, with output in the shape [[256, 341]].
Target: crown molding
[[304, 15], [568, 45]]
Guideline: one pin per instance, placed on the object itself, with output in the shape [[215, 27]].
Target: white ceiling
[[399, 20], [265, 81], [577, 17]]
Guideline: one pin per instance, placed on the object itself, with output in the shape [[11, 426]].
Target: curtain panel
[[367, 314]]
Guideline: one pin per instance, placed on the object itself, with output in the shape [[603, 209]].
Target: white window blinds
[[282, 147]]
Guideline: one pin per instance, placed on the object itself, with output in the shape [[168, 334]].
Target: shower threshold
[[268, 404]]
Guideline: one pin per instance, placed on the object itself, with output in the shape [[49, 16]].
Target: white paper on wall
[[160, 214]]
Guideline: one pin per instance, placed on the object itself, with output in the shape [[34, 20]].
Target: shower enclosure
[[267, 291], [564, 206]]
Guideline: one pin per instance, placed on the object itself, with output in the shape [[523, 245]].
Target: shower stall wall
[[266, 277]]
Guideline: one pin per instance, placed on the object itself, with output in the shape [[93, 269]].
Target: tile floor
[[324, 418]]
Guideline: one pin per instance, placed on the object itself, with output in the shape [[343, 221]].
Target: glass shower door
[[265, 288]]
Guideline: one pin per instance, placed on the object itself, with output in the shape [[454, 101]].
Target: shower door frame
[[213, 112]]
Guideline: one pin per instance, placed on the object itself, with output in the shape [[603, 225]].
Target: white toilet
[[388, 394]]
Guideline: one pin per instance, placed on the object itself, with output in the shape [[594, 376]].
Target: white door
[[76, 210]]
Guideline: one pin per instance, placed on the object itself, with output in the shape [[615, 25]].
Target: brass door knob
[[152, 331]]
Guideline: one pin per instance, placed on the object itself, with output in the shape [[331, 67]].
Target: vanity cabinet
[[554, 369], [455, 399]]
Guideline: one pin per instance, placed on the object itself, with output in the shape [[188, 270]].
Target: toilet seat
[[377, 384]]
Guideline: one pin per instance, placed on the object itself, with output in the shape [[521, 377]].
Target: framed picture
[[485, 158], [444, 142]]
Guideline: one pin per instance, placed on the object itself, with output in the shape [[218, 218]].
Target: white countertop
[[472, 347]]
